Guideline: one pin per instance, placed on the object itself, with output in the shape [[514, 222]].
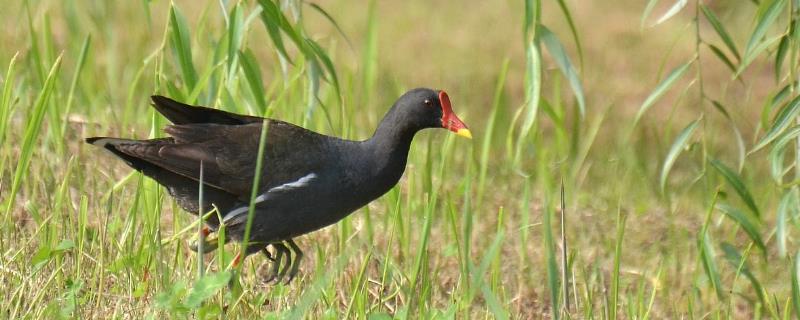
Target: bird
[[308, 180]]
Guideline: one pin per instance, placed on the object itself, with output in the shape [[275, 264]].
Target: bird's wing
[[181, 113], [238, 215], [228, 154]]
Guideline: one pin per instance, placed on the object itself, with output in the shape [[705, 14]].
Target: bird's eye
[[428, 102]]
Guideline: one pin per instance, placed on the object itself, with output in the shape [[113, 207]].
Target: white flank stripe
[[295, 184], [236, 214]]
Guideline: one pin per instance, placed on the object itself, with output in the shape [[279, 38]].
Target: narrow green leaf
[[235, 35], [749, 224], [182, 46], [720, 29], [564, 64], [778, 151], [780, 55], [331, 20], [252, 73], [796, 284], [495, 306], [707, 254], [567, 15], [717, 52], [5, 100], [735, 181], [269, 16], [782, 120], [206, 287], [32, 131], [751, 56], [660, 89], [327, 63], [676, 7], [646, 13], [762, 25], [533, 91], [737, 262], [787, 208], [677, 147]]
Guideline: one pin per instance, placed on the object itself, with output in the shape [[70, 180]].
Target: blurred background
[[672, 126]]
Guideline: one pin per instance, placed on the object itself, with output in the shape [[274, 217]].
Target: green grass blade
[[252, 73], [675, 150], [32, 130], [5, 100], [620, 235], [735, 181], [795, 270]]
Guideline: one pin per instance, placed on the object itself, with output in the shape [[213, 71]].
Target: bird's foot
[[298, 256], [274, 269]]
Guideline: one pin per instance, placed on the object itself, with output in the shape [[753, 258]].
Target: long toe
[[272, 274], [288, 258], [298, 256]]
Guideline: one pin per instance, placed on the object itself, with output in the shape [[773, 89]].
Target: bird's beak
[[449, 119]]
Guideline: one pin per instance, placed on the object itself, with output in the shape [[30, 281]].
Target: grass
[[673, 128]]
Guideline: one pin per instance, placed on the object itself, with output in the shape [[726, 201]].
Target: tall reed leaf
[[778, 152], [720, 29], [783, 119], [5, 99], [735, 181], [660, 89], [673, 10], [750, 225], [795, 270], [558, 53], [762, 26], [533, 91], [677, 147], [182, 46], [788, 208], [737, 262]]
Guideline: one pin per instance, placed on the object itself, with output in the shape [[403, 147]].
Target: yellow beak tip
[[464, 133]]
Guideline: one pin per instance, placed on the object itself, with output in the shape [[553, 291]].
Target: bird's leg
[[283, 250], [298, 256], [276, 261]]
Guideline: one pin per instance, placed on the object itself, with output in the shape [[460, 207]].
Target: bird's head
[[427, 108]]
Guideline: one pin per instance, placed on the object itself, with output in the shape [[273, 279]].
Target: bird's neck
[[388, 148]]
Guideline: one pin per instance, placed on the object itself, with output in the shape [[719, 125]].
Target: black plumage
[[308, 180]]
